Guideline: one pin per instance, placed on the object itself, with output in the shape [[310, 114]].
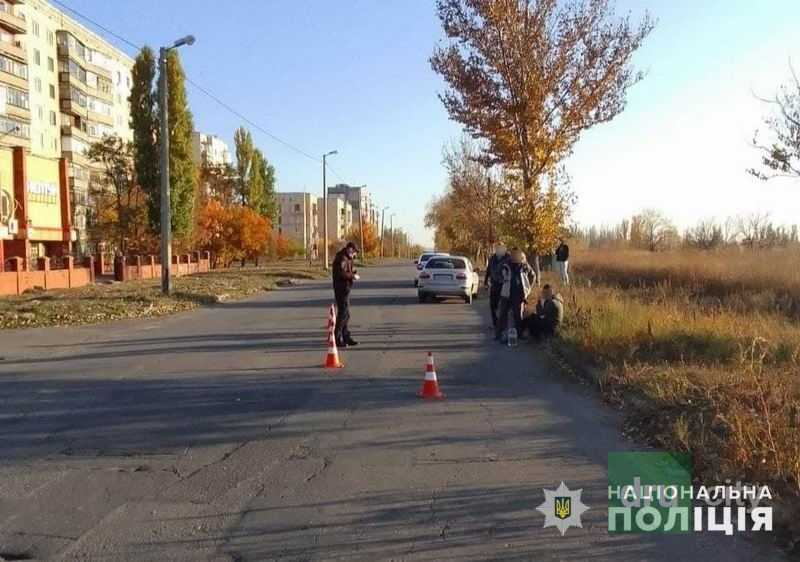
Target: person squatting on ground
[[344, 273], [494, 279], [548, 316], [562, 261], [517, 279]]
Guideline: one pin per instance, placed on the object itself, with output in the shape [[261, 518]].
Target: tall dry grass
[[703, 350], [739, 279]]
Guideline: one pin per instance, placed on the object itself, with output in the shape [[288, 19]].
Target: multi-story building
[[340, 218], [360, 200], [64, 88], [210, 150], [298, 218]]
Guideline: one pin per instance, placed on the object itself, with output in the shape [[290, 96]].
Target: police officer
[[494, 278], [344, 273]]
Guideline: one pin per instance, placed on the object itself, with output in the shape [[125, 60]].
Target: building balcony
[[11, 141], [15, 50], [70, 106], [101, 118], [70, 131], [67, 80], [14, 80], [12, 22], [18, 113]]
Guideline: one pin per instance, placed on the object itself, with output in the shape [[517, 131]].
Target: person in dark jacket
[[344, 274], [562, 260], [494, 279], [517, 281], [549, 314]]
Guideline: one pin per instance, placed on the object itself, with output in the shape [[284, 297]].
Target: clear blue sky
[[354, 76]]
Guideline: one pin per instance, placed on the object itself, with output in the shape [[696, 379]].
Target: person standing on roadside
[[517, 280], [562, 260], [344, 274], [494, 279]]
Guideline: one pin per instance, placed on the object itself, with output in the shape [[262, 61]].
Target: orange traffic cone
[[332, 360], [430, 388], [331, 318]]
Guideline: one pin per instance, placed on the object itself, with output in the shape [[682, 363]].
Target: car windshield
[[425, 257], [446, 263]]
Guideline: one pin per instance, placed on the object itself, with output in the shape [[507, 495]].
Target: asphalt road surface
[[215, 435]]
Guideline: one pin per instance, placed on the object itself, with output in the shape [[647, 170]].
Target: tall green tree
[[243, 146], [144, 124], [182, 173], [268, 200], [256, 176]]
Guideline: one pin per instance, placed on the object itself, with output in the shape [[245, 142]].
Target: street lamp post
[[325, 206], [166, 212], [391, 229]]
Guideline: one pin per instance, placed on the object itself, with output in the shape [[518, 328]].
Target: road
[[215, 435]]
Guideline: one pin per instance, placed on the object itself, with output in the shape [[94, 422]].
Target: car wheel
[[416, 283], [422, 298]]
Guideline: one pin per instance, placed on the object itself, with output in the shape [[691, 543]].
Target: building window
[[52, 91], [40, 112], [37, 82], [51, 64], [37, 57], [297, 208], [13, 67], [41, 140], [18, 98], [51, 37], [13, 127], [35, 26], [53, 118]]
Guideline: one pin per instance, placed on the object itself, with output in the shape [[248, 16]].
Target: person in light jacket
[[517, 281]]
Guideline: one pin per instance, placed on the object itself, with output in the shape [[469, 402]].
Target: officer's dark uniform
[[343, 276], [494, 272]]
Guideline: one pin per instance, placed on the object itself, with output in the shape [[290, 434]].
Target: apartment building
[[63, 88], [340, 218], [359, 198], [210, 150], [298, 218]]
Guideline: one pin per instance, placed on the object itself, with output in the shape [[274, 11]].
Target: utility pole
[[325, 207], [383, 226], [166, 211], [361, 217]]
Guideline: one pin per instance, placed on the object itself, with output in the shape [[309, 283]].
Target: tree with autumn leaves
[[525, 78]]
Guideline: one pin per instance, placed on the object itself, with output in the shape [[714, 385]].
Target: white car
[[448, 276], [423, 259]]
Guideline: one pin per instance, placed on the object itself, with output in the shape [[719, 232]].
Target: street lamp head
[[188, 40], [332, 152]]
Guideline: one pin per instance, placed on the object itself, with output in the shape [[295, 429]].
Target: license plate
[[443, 277]]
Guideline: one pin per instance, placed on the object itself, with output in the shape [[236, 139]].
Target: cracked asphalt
[[215, 435]]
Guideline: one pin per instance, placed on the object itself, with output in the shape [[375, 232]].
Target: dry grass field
[[703, 352]]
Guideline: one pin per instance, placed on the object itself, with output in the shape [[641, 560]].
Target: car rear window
[[446, 263], [425, 257]]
